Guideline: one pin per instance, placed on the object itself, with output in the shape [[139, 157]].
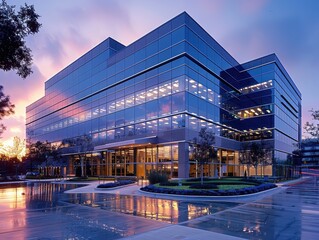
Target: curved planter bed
[[209, 193], [115, 185]]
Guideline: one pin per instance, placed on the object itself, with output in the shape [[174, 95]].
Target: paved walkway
[[43, 211]]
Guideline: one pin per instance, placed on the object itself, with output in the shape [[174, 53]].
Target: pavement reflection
[[43, 210]]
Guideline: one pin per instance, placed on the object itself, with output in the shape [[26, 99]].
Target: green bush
[[157, 177]]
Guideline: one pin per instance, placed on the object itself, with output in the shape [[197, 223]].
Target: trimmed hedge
[[116, 184], [232, 192]]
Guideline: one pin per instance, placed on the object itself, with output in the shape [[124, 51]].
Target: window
[[178, 121], [151, 127], [178, 102], [164, 124], [164, 106], [151, 109]]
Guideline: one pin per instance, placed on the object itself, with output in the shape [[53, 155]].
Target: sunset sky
[[247, 29]]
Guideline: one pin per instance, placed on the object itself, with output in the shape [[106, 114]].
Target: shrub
[[157, 177], [116, 184]]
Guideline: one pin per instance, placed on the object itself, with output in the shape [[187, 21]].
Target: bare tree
[[203, 149], [312, 128]]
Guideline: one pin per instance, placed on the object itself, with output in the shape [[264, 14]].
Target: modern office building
[[310, 153], [144, 103]]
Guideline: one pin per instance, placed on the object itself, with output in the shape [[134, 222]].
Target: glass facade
[[310, 153], [143, 103]]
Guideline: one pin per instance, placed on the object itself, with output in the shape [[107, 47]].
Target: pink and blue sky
[[247, 29]]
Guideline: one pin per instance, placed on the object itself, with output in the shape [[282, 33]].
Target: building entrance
[[140, 161]]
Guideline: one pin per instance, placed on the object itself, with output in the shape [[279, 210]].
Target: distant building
[[142, 104], [310, 153]]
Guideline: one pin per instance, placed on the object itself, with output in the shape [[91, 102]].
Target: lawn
[[220, 186], [227, 186]]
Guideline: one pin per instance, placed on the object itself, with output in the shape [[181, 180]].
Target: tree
[[6, 108], [17, 150], [82, 145], [14, 28], [14, 54], [256, 153], [37, 153], [313, 128], [203, 148], [244, 156]]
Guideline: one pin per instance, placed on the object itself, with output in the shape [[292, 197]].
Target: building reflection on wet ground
[[43, 210]]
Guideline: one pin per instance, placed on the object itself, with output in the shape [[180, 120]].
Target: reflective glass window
[[164, 106], [120, 104], [164, 90], [151, 127], [178, 102], [151, 109], [193, 86], [140, 128], [129, 115], [110, 107], [178, 121], [119, 118], [110, 134], [152, 93], [178, 85], [119, 133], [193, 123], [110, 121], [129, 130], [140, 112], [129, 101], [140, 97], [164, 124]]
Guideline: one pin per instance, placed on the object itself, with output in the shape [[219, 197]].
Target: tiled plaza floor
[[44, 211]]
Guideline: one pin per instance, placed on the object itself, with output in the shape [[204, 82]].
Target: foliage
[[203, 150], [116, 184], [16, 150], [6, 107], [157, 177], [15, 27], [312, 128]]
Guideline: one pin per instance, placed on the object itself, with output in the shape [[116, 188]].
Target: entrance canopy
[[127, 143]]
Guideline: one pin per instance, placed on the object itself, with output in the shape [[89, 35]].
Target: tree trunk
[[82, 166], [201, 174]]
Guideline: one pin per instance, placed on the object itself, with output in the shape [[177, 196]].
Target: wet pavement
[[44, 211]]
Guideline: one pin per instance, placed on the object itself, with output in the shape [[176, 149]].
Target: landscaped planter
[[231, 192], [116, 184]]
